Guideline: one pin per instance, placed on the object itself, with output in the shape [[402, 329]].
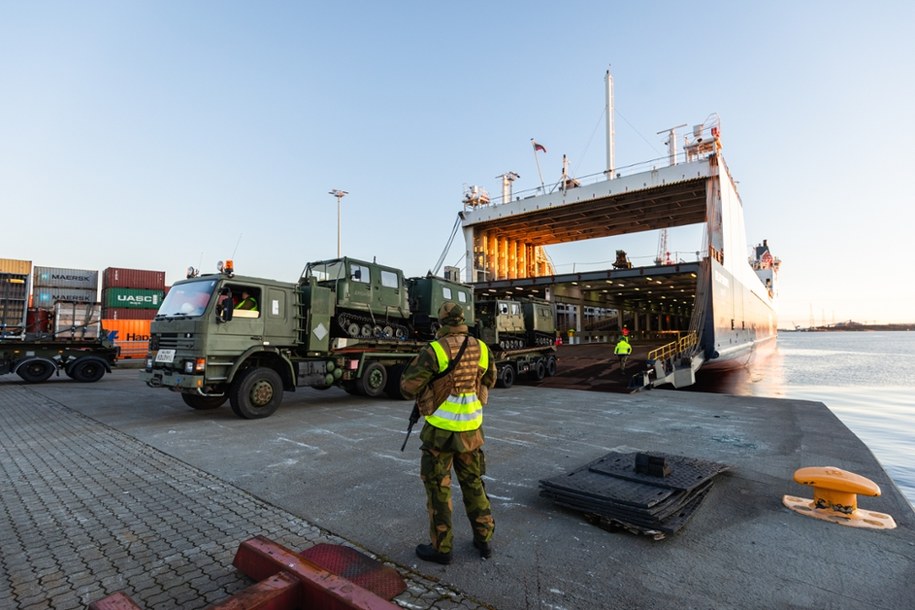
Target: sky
[[162, 134]]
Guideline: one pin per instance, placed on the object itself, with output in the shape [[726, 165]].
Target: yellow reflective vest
[[462, 410]]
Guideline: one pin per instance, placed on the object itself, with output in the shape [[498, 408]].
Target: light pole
[[339, 195]]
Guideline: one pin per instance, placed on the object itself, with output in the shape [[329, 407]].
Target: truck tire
[[203, 403], [35, 371], [373, 380], [86, 370], [256, 393], [392, 387], [550, 366], [538, 371], [506, 376]]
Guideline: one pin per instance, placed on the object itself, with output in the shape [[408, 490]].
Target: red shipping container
[[128, 313], [116, 277]]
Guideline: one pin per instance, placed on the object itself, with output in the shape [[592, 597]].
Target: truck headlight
[[198, 365]]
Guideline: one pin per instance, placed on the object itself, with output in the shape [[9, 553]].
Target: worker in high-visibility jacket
[[622, 351], [450, 380]]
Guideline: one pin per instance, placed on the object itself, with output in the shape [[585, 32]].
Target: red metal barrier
[[292, 581]]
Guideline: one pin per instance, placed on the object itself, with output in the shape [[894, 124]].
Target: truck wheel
[[256, 393], [392, 387], [202, 403], [551, 366], [87, 370], [506, 377], [35, 371], [538, 371], [373, 380]]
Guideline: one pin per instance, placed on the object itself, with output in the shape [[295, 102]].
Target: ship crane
[[663, 257]]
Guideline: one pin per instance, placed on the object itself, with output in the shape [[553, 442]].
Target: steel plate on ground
[[685, 473]]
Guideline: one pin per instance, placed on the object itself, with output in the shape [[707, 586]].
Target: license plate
[[165, 355]]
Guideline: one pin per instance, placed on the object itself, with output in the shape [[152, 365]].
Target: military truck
[[68, 338], [521, 334], [346, 322]]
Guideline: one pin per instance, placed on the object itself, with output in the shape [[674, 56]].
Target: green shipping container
[[132, 298]]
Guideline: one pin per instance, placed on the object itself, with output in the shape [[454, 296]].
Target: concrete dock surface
[[114, 486]]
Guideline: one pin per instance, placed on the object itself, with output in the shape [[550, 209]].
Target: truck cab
[[205, 323]]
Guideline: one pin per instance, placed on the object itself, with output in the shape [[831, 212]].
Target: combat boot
[[485, 548], [427, 552]]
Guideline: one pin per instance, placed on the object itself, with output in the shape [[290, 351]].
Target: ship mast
[[611, 136]]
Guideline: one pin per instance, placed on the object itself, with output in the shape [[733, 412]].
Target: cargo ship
[[713, 312]]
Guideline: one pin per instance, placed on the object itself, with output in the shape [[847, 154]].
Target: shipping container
[[77, 320], [132, 336], [14, 297], [45, 296], [132, 298], [15, 266], [126, 313], [64, 278], [115, 277]]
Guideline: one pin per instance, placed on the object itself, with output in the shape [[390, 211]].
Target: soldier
[[450, 379], [247, 302]]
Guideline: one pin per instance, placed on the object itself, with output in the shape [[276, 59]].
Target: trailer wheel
[[203, 403], [506, 376], [550, 366], [257, 393], [392, 387], [36, 371], [538, 371], [374, 379], [87, 370]]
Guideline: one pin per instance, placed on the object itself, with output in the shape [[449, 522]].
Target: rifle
[[414, 414], [414, 417]]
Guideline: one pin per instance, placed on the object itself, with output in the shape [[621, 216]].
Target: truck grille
[[173, 341]]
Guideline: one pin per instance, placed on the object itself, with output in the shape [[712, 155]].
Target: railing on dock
[[669, 350]]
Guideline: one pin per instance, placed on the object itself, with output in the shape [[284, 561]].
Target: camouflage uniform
[[441, 447]]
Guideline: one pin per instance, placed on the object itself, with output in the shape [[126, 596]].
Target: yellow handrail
[[679, 346]]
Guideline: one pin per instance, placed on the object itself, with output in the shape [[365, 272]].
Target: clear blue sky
[[158, 135]]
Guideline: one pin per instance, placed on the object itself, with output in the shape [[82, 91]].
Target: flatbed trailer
[[35, 361], [533, 362]]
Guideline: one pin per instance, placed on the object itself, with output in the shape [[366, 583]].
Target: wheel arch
[[271, 358], [74, 361], [29, 359]]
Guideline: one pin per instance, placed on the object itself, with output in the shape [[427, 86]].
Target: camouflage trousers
[[439, 455]]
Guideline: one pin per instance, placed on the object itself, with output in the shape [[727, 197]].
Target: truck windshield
[[189, 299], [329, 271]]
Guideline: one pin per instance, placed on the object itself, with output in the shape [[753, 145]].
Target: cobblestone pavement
[[86, 511]]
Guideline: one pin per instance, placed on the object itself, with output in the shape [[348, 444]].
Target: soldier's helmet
[[451, 314]]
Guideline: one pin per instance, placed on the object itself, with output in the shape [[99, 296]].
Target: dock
[[113, 486]]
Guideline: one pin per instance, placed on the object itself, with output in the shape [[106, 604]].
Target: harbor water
[[866, 378]]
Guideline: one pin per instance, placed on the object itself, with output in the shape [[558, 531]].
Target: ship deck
[[115, 486]]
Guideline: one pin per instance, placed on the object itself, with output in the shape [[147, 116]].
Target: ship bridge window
[[388, 279]]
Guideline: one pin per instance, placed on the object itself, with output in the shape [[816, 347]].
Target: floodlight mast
[[339, 195]]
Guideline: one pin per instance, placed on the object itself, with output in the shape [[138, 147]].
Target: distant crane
[[663, 257]]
